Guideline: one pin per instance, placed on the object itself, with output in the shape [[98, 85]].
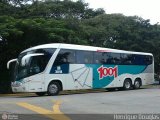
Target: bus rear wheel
[[40, 93], [137, 84], [127, 85], [53, 88]]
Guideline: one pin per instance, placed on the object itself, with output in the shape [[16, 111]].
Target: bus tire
[[40, 93], [137, 84], [53, 89], [127, 85]]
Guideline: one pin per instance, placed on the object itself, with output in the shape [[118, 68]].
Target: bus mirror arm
[[10, 61], [27, 57]]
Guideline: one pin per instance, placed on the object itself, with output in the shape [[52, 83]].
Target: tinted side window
[[97, 56], [148, 60], [100, 57], [65, 56], [84, 57], [114, 58], [138, 60], [126, 59]]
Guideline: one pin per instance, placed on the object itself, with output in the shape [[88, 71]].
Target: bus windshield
[[34, 64]]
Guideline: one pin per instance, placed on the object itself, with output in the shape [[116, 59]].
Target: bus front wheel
[[53, 88]]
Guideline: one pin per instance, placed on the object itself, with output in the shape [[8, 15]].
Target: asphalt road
[[91, 105]]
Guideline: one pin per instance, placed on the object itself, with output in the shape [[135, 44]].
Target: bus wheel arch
[[127, 84], [54, 87], [137, 83]]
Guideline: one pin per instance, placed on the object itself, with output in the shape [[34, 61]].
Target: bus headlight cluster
[[16, 84]]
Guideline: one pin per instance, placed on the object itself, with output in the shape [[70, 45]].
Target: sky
[[147, 9]]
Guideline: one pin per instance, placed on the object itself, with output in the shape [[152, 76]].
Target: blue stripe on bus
[[122, 69]]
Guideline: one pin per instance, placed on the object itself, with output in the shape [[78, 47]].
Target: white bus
[[51, 68]]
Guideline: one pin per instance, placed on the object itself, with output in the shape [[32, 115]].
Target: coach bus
[[51, 68]]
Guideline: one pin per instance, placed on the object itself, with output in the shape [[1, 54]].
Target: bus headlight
[[16, 84]]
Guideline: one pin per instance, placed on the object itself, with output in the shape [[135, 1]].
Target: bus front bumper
[[19, 87]]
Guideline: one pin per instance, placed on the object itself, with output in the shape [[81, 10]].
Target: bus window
[[100, 57], [97, 57], [65, 56], [38, 64], [104, 58], [84, 57], [35, 64], [114, 58], [148, 60], [138, 59], [126, 59]]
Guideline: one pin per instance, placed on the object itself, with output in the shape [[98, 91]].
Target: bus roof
[[83, 47]]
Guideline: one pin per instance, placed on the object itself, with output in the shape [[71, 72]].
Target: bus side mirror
[[26, 58], [11, 61]]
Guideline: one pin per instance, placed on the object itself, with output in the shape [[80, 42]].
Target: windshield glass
[[34, 64]]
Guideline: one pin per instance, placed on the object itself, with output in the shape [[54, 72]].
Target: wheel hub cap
[[53, 88]]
